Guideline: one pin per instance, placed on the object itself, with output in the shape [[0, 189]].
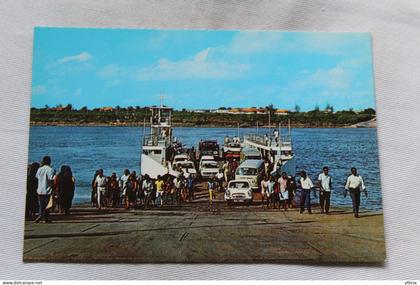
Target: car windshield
[[246, 171], [210, 165], [253, 157], [209, 145], [239, 184], [180, 158]]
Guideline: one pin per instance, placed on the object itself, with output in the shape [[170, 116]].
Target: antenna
[[161, 99]]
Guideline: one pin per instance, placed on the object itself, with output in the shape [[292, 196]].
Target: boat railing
[[155, 141], [269, 140]]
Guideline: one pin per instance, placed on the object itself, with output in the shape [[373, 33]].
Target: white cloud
[[39, 89], [197, 67], [335, 79], [83, 56]]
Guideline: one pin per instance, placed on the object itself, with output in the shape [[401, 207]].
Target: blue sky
[[201, 69]]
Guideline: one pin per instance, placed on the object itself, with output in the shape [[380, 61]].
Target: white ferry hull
[[153, 168]]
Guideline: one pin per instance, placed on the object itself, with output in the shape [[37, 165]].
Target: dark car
[[209, 147]]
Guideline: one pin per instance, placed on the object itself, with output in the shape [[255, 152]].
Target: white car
[[238, 191], [207, 158], [208, 168], [186, 166], [180, 157]]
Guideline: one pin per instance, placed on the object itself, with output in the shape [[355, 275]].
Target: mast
[[257, 129], [144, 128], [238, 130]]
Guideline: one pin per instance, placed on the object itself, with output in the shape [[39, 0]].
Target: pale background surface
[[395, 26]]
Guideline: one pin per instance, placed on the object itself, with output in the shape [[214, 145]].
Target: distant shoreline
[[186, 125]]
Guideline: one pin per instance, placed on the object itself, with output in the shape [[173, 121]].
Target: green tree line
[[136, 115]]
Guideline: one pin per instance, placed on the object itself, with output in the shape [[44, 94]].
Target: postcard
[[202, 146]]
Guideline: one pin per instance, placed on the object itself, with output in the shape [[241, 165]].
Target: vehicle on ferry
[[209, 147], [186, 167], [238, 191], [208, 168], [279, 150], [250, 153], [251, 170], [232, 150]]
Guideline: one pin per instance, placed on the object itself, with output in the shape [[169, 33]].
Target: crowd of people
[[48, 191], [133, 191]]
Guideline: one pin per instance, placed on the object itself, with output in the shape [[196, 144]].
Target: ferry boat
[[279, 150], [159, 147]]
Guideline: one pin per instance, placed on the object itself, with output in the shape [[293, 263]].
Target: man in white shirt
[[276, 135], [305, 196], [45, 175], [324, 184], [220, 178], [101, 183], [123, 184], [264, 186], [270, 192], [354, 185], [284, 191]]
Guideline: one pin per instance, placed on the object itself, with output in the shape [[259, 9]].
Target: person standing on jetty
[[114, 190], [100, 183], [123, 184], [324, 184], [284, 191], [45, 175], [93, 193], [270, 192], [264, 185], [179, 185], [159, 183], [225, 168], [291, 188], [190, 186], [354, 185], [65, 188], [31, 195], [130, 192], [211, 187], [147, 189], [305, 197]]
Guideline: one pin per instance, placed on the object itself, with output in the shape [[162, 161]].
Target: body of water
[[113, 149]]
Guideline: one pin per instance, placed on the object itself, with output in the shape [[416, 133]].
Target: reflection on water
[[86, 149]]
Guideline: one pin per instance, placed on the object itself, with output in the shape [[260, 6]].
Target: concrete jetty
[[194, 232]]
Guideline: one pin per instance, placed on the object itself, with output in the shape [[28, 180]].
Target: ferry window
[[246, 171]]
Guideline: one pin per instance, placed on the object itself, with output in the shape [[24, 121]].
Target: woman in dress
[[31, 194], [65, 188]]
